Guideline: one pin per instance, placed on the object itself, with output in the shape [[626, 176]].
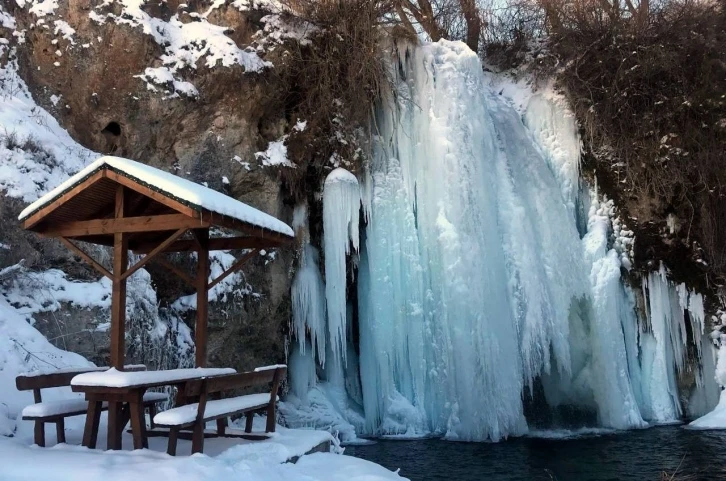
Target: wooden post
[[200, 333], [118, 319], [118, 296]]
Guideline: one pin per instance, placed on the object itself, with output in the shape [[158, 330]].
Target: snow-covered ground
[[223, 459]]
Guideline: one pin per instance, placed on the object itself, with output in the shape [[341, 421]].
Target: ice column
[[341, 208]]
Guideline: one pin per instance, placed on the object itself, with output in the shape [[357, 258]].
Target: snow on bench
[[188, 414], [79, 369], [75, 406], [119, 379], [270, 367]]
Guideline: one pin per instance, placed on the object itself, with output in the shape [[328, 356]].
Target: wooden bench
[[43, 412], [196, 415]]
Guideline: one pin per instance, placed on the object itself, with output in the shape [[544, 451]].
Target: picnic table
[[124, 387]]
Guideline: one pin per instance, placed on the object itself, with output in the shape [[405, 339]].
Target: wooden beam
[[77, 250], [234, 268], [118, 297], [180, 273], [159, 249], [148, 192], [34, 219], [218, 244], [244, 227], [200, 332], [151, 223]]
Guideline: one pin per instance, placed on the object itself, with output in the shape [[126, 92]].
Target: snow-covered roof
[[182, 190]]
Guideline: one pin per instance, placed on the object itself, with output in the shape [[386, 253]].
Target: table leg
[[115, 430], [93, 419], [60, 430], [138, 423]]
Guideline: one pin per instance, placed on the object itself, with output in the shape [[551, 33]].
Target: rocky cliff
[[194, 88]]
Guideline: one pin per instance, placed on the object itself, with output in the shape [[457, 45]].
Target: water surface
[[633, 455]]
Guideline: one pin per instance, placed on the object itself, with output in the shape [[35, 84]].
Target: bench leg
[[271, 421], [173, 436], [248, 422], [152, 413], [198, 438], [39, 433], [60, 431], [93, 419], [221, 426]]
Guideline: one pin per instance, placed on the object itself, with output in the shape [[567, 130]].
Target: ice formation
[[489, 277], [341, 207]]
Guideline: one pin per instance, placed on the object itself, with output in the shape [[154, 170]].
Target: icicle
[[308, 304], [308, 292], [341, 207]]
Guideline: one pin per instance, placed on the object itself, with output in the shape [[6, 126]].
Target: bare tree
[[442, 19]]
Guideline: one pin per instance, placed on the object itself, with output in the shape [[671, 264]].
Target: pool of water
[[560, 455]]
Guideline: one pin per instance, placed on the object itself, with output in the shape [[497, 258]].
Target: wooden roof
[[155, 207]]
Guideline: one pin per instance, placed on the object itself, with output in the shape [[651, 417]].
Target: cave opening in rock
[[112, 128]]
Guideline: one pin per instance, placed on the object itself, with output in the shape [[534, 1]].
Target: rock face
[[90, 81]]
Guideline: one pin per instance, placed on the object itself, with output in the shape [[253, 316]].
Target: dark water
[[633, 455]]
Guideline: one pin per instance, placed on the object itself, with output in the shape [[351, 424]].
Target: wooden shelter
[[134, 207]]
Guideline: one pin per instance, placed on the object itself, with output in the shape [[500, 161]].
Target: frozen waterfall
[[489, 278]]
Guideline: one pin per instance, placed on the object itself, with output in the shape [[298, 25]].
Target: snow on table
[[115, 378], [186, 414], [74, 405], [171, 185]]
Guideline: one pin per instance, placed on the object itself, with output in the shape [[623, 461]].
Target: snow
[[163, 76], [275, 155], [224, 458], [185, 44], [716, 419], [64, 406], [115, 378], [23, 349], [66, 31], [188, 413], [79, 370], [271, 367], [28, 173], [186, 191]]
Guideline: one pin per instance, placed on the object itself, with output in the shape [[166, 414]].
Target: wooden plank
[[218, 244], [90, 260], [176, 270], [159, 249], [230, 381], [200, 332], [34, 219], [151, 193], [233, 268], [149, 223], [118, 293]]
